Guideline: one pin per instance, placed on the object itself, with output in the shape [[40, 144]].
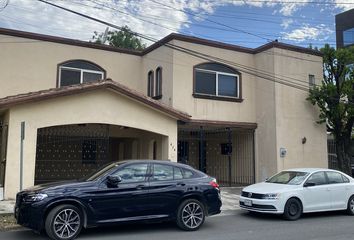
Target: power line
[[248, 70]]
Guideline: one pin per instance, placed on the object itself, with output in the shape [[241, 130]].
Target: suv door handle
[[181, 184]]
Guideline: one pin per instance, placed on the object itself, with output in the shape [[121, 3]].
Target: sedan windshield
[[102, 171], [288, 177]]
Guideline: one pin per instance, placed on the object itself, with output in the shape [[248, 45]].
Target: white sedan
[[296, 191]]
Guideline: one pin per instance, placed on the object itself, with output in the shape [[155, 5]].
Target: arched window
[[150, 85], [214, 80], [79, 71], [158, 89]]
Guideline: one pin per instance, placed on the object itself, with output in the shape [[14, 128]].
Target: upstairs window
[[312, 81], [150, 90], [79, 71], [216, 81], [158, 89], [348, 37]]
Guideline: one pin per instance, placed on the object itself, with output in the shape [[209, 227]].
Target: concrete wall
[[101, 106], [32, 65]]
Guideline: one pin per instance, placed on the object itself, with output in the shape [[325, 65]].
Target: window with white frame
[[158, 88], [216, 80], [150, 84], [79, 71]]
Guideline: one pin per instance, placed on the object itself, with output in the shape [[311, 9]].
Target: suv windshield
[[102, 171], [288, 177]]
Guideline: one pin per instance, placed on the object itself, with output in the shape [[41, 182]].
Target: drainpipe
[[21, 154]]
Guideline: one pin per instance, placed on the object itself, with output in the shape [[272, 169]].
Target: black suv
[[120, 192]]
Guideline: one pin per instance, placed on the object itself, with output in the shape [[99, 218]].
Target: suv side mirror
[[113, 181], [309, 184]]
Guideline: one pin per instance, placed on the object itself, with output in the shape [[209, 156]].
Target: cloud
[[286, 23], [305, 33], [344, 4]]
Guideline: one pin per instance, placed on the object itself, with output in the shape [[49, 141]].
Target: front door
[[125, 202], [318, 197]]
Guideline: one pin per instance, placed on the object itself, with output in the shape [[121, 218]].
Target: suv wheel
[[292, 210], [350, 208], [64, 222], [190, 215]]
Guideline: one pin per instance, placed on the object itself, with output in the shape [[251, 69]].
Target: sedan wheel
[[293, 209], [190, 215], [63, 222], [350, 208]]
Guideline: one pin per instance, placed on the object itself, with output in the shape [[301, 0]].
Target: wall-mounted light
[[303, 140]]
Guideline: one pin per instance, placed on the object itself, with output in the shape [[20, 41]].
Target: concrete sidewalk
[[229, 196]]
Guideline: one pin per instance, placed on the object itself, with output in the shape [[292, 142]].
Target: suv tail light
[[214, 183]]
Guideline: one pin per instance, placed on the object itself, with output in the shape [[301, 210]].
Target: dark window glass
[[205, 83], [83, 65], [188, 174], [132, 173], [216, 67], [318, 178], [150, 90], [177, 174], [227, 85], [334, 177], [348, 37], [158, 91], [90, 77], [69, 77], [162, 172], [311, 80]]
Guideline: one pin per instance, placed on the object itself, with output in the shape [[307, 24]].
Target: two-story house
[[68, 107]]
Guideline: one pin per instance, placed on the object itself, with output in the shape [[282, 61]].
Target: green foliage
[[335, 98], [124, 38]]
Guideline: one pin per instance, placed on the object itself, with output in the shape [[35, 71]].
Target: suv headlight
[[35, 197], [271, 196]]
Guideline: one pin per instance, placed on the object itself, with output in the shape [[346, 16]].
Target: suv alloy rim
[[192, 215], [66, 223], [351, 205]]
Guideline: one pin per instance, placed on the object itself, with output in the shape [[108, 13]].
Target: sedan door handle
[[140, 187]]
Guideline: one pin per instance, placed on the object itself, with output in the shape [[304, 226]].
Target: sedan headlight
[[35, 197], [271, 196]]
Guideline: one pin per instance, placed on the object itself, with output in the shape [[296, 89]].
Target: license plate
[[248, 203]]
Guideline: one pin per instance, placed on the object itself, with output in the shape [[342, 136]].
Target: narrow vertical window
[[312, 81], [158, 89], [150, 90]]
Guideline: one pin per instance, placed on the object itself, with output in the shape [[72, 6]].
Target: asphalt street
[[238, 225]]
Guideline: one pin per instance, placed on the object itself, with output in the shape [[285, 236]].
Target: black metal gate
[[71, 151], [3, 149], [225, 153]]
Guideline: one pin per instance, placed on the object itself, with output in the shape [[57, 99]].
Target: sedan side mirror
[[309, 184], [113, 181]]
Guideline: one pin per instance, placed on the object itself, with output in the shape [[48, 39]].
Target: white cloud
[[308, 33], [344, 4], [286, 23]]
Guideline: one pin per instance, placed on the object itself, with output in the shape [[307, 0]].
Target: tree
[[124, 38], [335, 99]]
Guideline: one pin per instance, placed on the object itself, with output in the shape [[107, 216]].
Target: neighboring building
[[345, 29], [160, 104]]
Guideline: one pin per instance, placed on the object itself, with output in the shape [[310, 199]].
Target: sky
[[248, 23]]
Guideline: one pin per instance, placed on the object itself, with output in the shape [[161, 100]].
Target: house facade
[[68, 107]]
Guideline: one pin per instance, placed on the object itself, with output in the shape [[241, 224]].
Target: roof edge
[[163, 41]]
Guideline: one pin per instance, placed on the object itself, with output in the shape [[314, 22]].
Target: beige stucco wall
[[31, 65], [295, 116], [265, 135], [101, 106], [205, 108], [160, 57]]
